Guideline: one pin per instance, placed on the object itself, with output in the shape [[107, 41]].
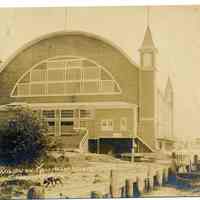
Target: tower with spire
[[147, 90], [169, 98]]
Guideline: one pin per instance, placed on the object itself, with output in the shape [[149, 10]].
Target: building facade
[[91, 94]]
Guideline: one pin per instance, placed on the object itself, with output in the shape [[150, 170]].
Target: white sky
[[175, 30]]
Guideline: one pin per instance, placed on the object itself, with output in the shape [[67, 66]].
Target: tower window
[[107, 125], [147, 60]]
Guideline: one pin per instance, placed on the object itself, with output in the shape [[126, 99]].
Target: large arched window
[[65, 76]]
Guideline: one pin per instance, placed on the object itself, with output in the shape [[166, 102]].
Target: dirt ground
[[90, 172]]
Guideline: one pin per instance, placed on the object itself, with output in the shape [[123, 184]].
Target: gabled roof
[[148, 43]]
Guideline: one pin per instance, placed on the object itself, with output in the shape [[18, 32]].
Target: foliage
[[23, 139]]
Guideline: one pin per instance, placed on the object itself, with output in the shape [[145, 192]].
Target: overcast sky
[[175, 30]]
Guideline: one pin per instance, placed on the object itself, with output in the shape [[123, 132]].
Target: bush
[[23, 139]]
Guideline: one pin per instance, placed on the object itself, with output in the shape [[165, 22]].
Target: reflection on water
[[170, 191]]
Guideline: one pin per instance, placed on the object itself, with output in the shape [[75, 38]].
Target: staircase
[[75, 141]]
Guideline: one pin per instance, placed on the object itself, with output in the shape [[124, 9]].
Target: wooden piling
[[113, 185], [164, 177], [136, 191], [195, 159], [123, 192], [36, 192], [128, 188]]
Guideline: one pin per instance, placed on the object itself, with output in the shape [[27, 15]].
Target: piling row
[[140, 183]]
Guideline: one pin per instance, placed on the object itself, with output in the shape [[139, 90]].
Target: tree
[[23, 139]]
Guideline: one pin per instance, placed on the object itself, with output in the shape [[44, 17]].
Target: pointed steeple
[[169, 85], [169, 91], [148, 43]]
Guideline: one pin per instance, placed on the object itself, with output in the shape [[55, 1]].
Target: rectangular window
[[147, 60], [56, 64], [85, 114], [49, 114], [123, 124], [67, 113], [56, 88], [107, 86], [38, 75], [23, 89], [90, 87], [67, 127], [107, 125], [56, 75], [74, 74], [51, 127], [91, 73], [38, 89], [72, 88], [74, 63]]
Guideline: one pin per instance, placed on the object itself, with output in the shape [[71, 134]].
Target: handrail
[[84, 139], [145, 143]]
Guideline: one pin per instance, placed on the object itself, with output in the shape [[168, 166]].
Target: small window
[[85, 114], [22, 89], [107, 125], [67, 123], [56, 75], [51, 127], [37, 89], [38, 75], [49, 114], [107, 86], [90, 87], [123, 124], [67, 127], [51, 124], [67, 114], [91, 73], [74, 74], [147, 60]]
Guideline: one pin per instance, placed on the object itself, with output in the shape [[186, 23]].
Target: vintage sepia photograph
[[99, 102]]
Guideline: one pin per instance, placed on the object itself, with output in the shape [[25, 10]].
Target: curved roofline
[[57, 33]]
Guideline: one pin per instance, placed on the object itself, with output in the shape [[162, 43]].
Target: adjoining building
[[92, 95]]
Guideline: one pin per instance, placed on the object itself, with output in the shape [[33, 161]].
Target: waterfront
[[172, 192]]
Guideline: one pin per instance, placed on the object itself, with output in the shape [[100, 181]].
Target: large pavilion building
[[92, 95]]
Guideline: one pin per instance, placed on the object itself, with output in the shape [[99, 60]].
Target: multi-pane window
[[23, 89], [91, 73], [50, 116], [90, 87], [56, 64], [37, 89], [107, 125], [67, 114], [38, 75], [56, 88], [72, 87], [56, 75], [67, 127], [85, 114], [107, 86], [74, 74], [64, 77]]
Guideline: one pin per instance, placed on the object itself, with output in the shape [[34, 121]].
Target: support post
[[113, 185], [128, 188], [132, 150], [98, 146]]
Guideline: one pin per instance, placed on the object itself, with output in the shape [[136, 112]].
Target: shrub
[[23, 139]]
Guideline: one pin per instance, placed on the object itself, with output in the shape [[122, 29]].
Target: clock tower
[[147, 91]]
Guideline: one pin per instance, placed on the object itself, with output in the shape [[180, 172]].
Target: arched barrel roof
[[72, 43]]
